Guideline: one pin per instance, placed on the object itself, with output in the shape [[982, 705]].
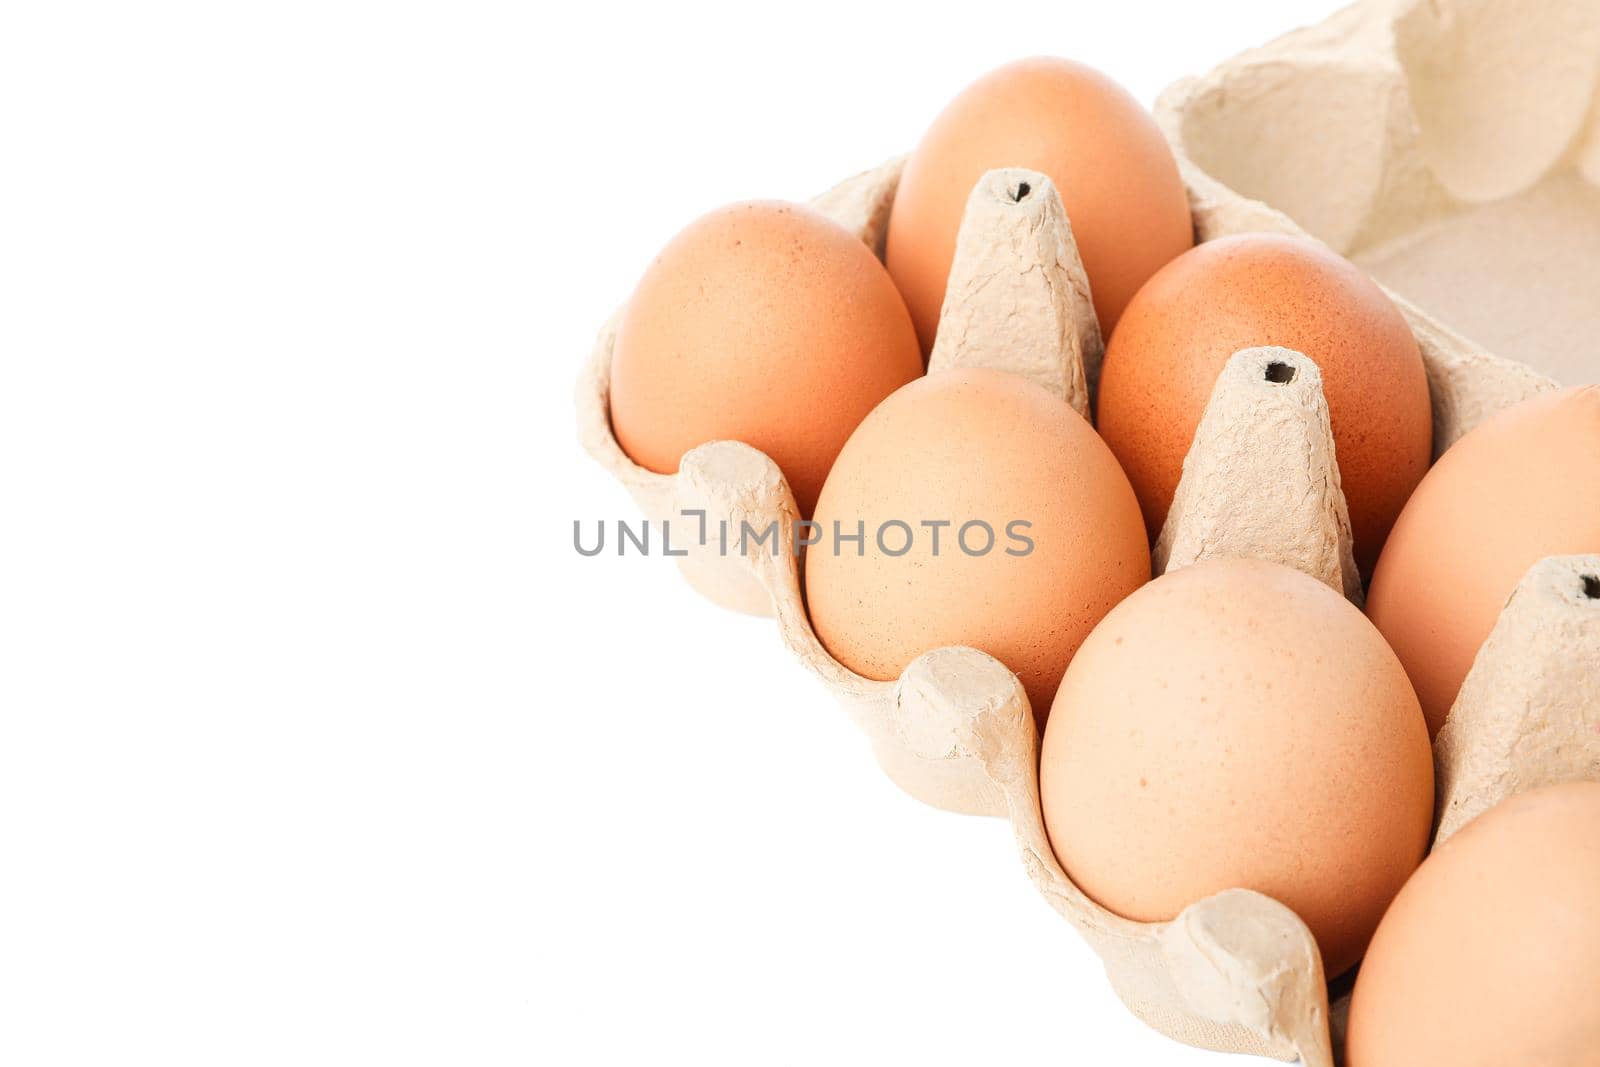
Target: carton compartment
[[1451, 148], [1519, 277], [1322, 130]]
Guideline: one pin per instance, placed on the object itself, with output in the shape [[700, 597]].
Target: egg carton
[[1236, 971], [1451, 148]]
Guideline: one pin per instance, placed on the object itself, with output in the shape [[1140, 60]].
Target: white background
[[318, 741]]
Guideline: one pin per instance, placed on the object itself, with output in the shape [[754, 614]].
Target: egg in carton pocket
[[1236, 971]]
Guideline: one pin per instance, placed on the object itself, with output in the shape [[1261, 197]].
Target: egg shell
[[1522, 486], [1237, 971], [1267, 289], [1103, 151], [761, 322], [1237, 723], [969, 445], [1488, 955]]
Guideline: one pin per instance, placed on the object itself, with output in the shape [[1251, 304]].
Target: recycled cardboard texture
[[998, 312], [666, 496], [1449, 147], [1529, 711], [1260, 479], [1236, 971]]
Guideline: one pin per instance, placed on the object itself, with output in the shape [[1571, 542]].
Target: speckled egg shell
[[1239, 724], [1114, 170], [1488, 956], [762, 322], [963, 446], [1259, 289], [1522, 486]]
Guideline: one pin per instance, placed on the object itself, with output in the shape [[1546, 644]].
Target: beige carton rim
[[1237, 971]]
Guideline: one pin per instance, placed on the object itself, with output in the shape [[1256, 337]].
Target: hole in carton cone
[[1591, 586], [1020, 193], [1280, 373]]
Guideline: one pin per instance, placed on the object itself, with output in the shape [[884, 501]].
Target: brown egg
[[973, 447], [1490, 956], [765, 323], [1523, 485], [1116, 175], [1237, 724], [1264, 289]]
